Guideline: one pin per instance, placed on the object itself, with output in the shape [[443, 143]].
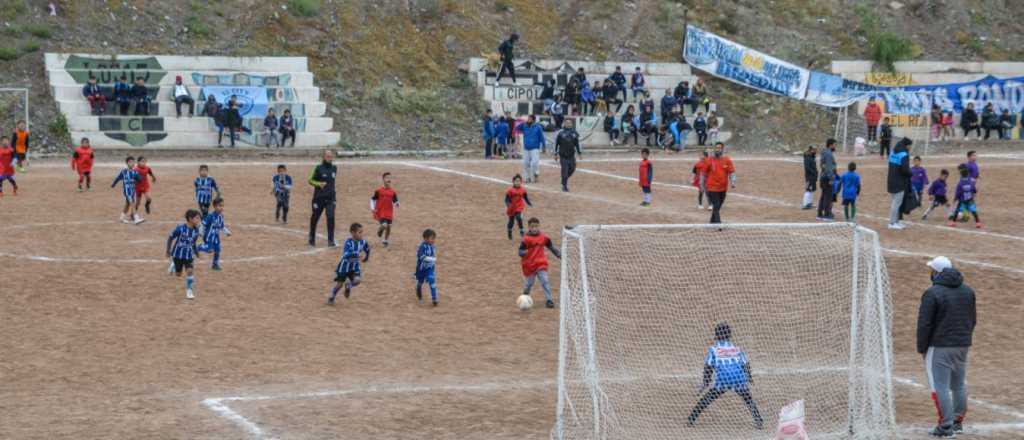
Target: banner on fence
[[252, 101], [1002, 93], [740, 64], [834, 91]]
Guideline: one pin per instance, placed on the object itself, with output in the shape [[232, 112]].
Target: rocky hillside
[[389, 68]]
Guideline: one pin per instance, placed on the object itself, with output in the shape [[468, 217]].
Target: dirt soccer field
[[98, 341]]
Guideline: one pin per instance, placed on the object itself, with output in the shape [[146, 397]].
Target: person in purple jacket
[[937, 192], [972, 165], [918, 177], [966, 189]]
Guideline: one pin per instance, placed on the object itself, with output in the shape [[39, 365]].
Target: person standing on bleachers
[[182, 96], [92, 93], [506, 51], [140, 96], [123, 95]]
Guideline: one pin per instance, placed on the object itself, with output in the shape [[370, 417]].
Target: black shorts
[[386, 222], [342, 276], [20, 156], [940, 200], [181, 264]]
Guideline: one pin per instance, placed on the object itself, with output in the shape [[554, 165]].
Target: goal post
[[807, 304]]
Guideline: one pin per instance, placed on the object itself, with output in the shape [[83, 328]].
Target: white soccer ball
[[524, 302]]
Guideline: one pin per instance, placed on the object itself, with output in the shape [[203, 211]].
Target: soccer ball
[[524, 302]]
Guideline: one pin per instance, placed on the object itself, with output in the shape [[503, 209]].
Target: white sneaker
[[896, 226], [699, 206], [137, 219], [710, 208], [189, 295], [170, 269]]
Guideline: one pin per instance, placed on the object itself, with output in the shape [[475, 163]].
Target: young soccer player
[[849, 184], [20, 141], [181, 248], [129, 178], [81, 161], [918, 177], [535, 261], [7, 165], [697, 177], [205, 188], [349, 273], [383, 204], [282, 192], [516, 201], [646, 176], [966, 190], [972, 165], [937, 191], [729, 366], [145, 173], [213, 223], [426, 260]]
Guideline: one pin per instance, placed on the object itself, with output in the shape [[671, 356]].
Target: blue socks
[[188, 282], [216, 259], [334, 292], [433, 292]]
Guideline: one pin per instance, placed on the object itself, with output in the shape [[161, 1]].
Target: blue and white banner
[[740, 64], [252, 101], [1002, 93], [834, 91]]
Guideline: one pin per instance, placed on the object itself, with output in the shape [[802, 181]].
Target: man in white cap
[[945, 325]]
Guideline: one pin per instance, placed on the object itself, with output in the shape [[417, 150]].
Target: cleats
[[215, 268], [940, 431], [79, 189], [330, 301], [189, 295], [509, 234], [434, 302], [348, 292], [549, 304]]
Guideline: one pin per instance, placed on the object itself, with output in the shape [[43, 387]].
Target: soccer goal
[[808, 308], [13, 107]]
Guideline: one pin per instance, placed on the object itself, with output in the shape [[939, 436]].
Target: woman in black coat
[[969, 121]]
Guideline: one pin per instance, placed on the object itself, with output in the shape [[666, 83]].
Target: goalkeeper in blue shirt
[[729, 366]]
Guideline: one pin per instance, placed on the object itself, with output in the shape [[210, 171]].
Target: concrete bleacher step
[[607, 67], [274, 93], [61, 61], [653, 83], [600, 138], [166, 108], [156, 140], [172, 124], [76, 77]]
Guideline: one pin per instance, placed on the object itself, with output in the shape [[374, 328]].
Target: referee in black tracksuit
[[567, 145], [322, 179]]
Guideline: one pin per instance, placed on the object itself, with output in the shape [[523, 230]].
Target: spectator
[[547, 94], [667, 103], [619, 80], [947, 126], [92, 93], [232, 119], [827, 179], [886, 138], [945, 329], [122, 94], [287, 127], [612, 127], [699, 96], [647, 104], [533, 142], [506, 50], [601, 106], [989, 120], [567, 146], [630, 124], [935, 119], [210, 108], [872, 114], [898, 181], [810, 177], [140, 96], [969, 121], [270, 129], [572, 96], [501, 132], [648, 124], [682, 95], [324, 197], [488, 127], [1006, 124], [721, 174], [680, 129], [580, 77], [587, 98], [713, 127], [611, 96], [700, 125], [638, 84], [513, 132], [557, 112], [181, 95]]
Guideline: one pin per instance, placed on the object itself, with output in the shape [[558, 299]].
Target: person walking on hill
[[324, 197], [945, 329], [505, 50], [567, 146]]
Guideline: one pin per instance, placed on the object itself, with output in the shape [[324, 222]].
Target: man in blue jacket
[[533, 143], [488, 134]]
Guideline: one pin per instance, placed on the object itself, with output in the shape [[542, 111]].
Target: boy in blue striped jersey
[[426, 259], [128, 178], [348, 274], [729, 366], [205, 187], [281, 192], [213, 223], [181, 248]]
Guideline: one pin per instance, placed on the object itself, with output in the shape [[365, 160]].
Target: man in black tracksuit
[[945, 327], [322, 179], [567, 145], [505, 50], [810, 177]]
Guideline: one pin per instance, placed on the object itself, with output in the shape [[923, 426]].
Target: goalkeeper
[[731, 370]]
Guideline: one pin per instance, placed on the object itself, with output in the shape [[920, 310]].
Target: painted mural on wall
[[137, 131]]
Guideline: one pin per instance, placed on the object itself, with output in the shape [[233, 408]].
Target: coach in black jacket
[[322, 179], [567, 145], [945, 327], [810, 176]]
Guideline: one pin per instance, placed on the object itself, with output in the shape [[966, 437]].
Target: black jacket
[[567, 144], [619, 79], [886, 132], [899, 168], [506, 50], [324, 172], [947, 315], [810, 168], [548, 92], [969, 119], [139, 92]]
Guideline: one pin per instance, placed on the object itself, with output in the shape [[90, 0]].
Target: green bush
[[8, 53], [502, 5], [888, 48], [407, 100], [59, 126], [198, 27], [12, 30], [305, 8], [30, 46], [39, 31]]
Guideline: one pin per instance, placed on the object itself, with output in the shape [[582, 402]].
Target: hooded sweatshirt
[[899, 169], [947, 315]]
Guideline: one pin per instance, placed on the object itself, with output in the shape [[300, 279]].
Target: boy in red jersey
[[142, 189], [535, 261], [383, 204], [646, 176], [7, 165], [516, 201], [81, 161]]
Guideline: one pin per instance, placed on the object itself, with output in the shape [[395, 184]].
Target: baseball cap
[[940, 263]]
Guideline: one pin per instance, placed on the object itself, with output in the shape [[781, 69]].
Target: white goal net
[[642, 305]]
